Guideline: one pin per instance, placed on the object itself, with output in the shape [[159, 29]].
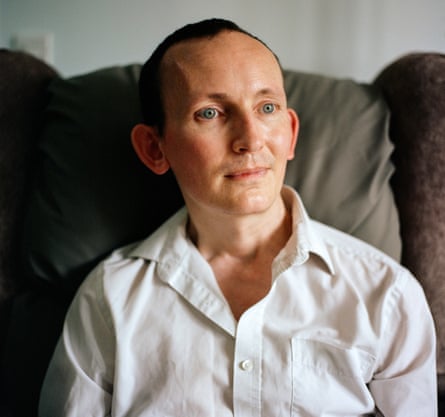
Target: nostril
[[241, 149], [248, 144]]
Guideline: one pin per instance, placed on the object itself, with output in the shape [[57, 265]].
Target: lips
[[247, 173]]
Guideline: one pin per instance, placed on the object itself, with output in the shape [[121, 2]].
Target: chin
[[251, 204]]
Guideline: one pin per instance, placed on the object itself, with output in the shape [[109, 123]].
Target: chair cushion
[[342, 165], [92, 194]]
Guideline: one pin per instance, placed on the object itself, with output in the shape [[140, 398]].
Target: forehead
[[231, 41], [224, 58]]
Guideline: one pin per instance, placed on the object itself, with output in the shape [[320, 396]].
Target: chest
[[243, 285], [273, 363]]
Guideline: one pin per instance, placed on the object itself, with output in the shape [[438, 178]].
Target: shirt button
[[246, 365]]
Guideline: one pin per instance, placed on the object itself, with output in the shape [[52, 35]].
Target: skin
[[228, 136]]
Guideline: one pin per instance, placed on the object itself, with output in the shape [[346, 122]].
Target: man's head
[[150, 82], [227, 132]]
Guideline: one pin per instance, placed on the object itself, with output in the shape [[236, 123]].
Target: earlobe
[[146, 143], [295, 125]]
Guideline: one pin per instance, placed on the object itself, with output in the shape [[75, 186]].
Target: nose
[[248, 134]]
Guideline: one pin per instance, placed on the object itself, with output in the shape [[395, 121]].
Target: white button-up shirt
[[344, 331]]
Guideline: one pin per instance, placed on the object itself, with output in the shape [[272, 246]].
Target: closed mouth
[[247, 173]]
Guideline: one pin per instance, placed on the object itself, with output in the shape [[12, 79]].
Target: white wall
[[346, 38]]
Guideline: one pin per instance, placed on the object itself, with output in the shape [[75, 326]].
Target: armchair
[[370, 161]]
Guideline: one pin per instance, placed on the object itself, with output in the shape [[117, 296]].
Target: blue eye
[[269, 108], [208, 113]]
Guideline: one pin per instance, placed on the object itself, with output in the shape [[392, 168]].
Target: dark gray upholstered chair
[[370, 161]]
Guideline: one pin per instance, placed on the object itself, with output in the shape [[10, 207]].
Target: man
[[239, 305]]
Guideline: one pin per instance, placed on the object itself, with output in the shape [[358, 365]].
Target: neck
[[244, 237]]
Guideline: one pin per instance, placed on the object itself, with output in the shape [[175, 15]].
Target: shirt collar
[[170, 240], [305, 241]]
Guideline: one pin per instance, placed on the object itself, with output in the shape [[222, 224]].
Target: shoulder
[[110, 277], [382, 282], [361, 262], [341, 243], [133, 266]]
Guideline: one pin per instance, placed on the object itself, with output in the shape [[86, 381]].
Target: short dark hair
[[150, 78]]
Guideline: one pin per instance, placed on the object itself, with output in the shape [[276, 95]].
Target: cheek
[[284, 141], [191, 157], [291, 150], [283, 144]]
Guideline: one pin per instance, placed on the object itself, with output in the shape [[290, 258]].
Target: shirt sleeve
[[79, 378], [405, 383]]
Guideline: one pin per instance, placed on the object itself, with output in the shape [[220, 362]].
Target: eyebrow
[[262, 92], [268, 91], [218, 96]]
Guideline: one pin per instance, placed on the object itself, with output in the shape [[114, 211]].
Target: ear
[[147, 144], [295, 126]]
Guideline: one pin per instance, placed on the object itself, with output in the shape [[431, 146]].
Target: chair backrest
[[414, 87], [91, 194], [23, 96]]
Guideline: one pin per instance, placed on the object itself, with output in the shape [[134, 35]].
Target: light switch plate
[[40, 45]]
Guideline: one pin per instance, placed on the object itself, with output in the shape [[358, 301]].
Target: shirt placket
[[248, 364]]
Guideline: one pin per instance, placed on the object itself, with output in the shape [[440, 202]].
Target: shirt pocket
[[330, 380]]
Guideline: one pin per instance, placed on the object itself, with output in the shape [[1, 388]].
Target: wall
[[346, 38]]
